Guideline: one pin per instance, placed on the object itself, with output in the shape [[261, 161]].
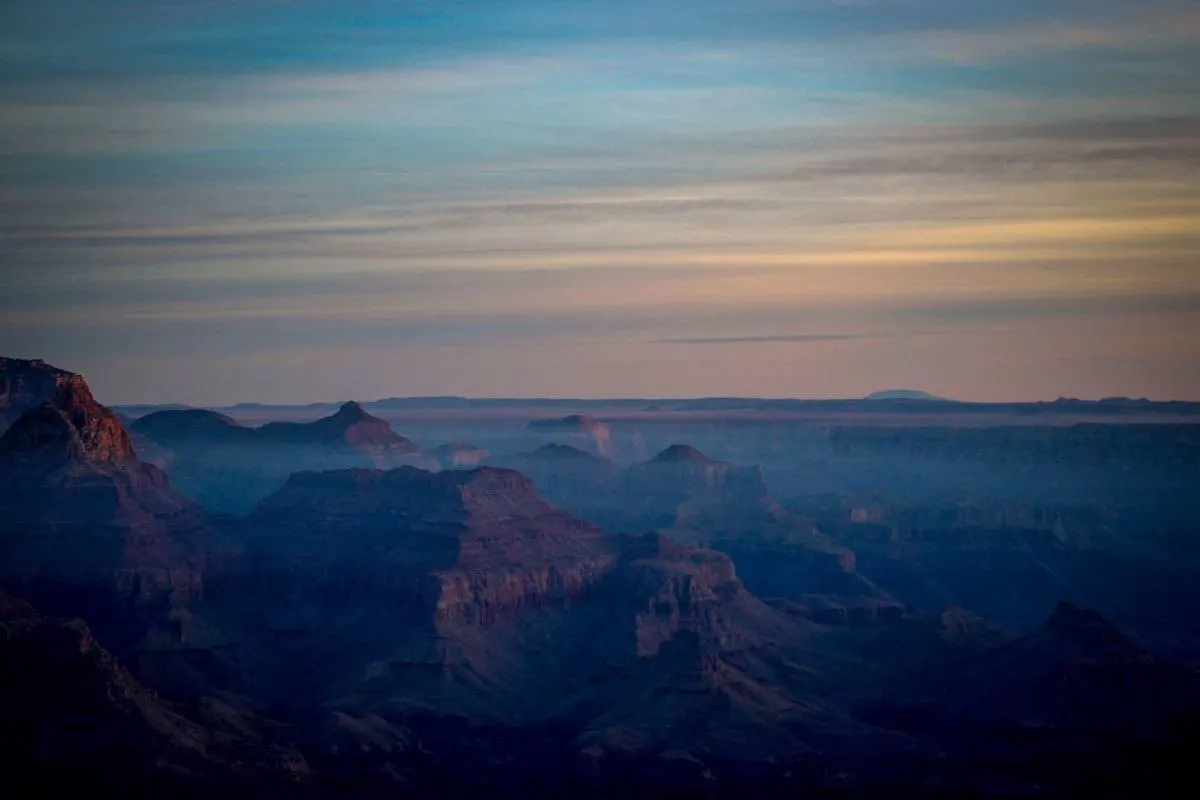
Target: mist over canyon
[[895, 596]]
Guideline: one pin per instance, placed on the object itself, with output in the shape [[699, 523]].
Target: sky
[[293, 201]]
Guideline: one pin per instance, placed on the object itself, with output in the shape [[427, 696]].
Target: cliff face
[[25, 384], [715, 504], [84, 519], [69, 431], [672, 589], [476, 545]]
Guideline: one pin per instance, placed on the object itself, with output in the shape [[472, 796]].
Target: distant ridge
[[916, 403], [905, 394]]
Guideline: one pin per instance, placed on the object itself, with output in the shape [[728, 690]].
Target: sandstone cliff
[[25, 384], [86, 524]]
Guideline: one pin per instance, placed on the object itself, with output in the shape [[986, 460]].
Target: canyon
[[190, 600]]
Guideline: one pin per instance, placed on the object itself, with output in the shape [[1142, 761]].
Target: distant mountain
[[586, 484], [584, 431], [229, 467], [349, 428], [903, 394], [682, 487]]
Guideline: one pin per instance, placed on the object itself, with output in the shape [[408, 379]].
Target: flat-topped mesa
[[471, 546], [407, 495]]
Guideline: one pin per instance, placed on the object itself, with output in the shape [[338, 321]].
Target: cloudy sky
[[209, 202]]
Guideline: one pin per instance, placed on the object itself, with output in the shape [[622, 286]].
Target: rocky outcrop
[[87, 525], [229, 467], [674, 588], [414, 589], [26, 384], [350, 427], [586, 484], [586, 432], [175, 427], [681, 487], [70, 431], [476, 546], [719, 505]]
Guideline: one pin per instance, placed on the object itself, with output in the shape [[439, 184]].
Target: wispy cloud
[[268, 176], [783, 337]]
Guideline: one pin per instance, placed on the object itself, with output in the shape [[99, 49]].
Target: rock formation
[[586, 484], [25, 384], [229, 467], [681, 487], [85, 520], [588, 433]]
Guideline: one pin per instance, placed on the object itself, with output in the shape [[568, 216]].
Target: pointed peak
[[682, 452], [352, 410]]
